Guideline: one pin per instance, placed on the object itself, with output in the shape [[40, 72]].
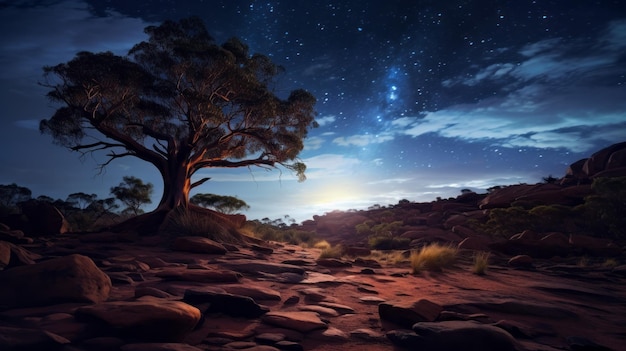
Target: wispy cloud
[[364, 139], [326, 120]]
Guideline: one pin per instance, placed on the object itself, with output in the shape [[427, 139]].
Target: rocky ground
[[113, 292]]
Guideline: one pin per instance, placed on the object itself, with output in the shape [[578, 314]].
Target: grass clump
[[323, 245], [433, 257], [332, 252], [202, 224], [481, 262], [610, 263], [388, 243]]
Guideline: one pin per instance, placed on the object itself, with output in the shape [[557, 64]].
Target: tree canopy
[[182, 103], [223, 204], [133, 193]]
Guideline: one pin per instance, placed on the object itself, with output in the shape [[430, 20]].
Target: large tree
[[182, 103]]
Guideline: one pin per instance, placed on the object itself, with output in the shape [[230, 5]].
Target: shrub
[[192, 223], [433, 257], [481, 262], [322, 245], [388, 243], [332, 252]]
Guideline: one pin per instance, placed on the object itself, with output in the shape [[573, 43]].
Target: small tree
[[223, 204], [12, 194], [133, 193]]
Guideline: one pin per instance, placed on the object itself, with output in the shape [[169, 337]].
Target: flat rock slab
[[256, 266], [200, 275], [303, 321], [256, 292], [148, 319], [29, 339]]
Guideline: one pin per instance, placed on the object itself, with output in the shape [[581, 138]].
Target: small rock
[[232, 305], [522, 261], [325, 311], [342, 309], [406, 314], [333, 262], [366, 334], [301, 321], [159, 347], [371, 300]]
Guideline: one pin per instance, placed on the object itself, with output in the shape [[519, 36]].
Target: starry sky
[[416, 99]]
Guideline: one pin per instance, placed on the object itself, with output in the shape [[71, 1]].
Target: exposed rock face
[[198, 244], [304, 321], [608, 162], [230, 304], [30, 339], [149, 319], [406, 314], [43, 219], [73, 278], [455, 335]]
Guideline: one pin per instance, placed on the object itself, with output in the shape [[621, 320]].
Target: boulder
[[476, 243], [521, 261], [198, 244], [73, 278], [30, 339], [152, 346], [503, 197], [302, 321], [43, 219], [407, 313], [457, 335], [230, 304], [148, 319], [599, 161]]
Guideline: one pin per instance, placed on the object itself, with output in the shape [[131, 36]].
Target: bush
[[433, 257], [193, 223], [322, 245], [332, 252], [388, 243]]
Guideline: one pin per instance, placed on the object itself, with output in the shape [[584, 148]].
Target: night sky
[[416, 99]]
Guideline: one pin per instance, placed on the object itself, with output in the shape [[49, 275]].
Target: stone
[[232, 305], [407, 313], [261, 249], [5, 254], [147, 319], [30, 339], [159, 347], [461, 335], [314, 294], [43, 219], [475, 243], [342, 309], [366, 334], [372, 300], [256, 292], [198, 244], [333, 263], [200, 275], [302, 321], [256, 267], [73, 278], [324, 311], [356, 251], [523, 261]]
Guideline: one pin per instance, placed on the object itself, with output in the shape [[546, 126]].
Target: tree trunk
[[176, 187]]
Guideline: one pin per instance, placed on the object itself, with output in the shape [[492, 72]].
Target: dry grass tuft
[[433, 257], [332, 252], [322, 245], [481, 262], [192, 223]]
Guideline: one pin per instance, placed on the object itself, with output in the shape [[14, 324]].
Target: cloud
[[313, 143], [326, 120], [31, 124], [25, 52], [364, 139]]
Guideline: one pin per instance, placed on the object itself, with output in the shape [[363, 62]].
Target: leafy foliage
[[182, 103], [604, 210], [220, 203], [12, 194], [133, 193]]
